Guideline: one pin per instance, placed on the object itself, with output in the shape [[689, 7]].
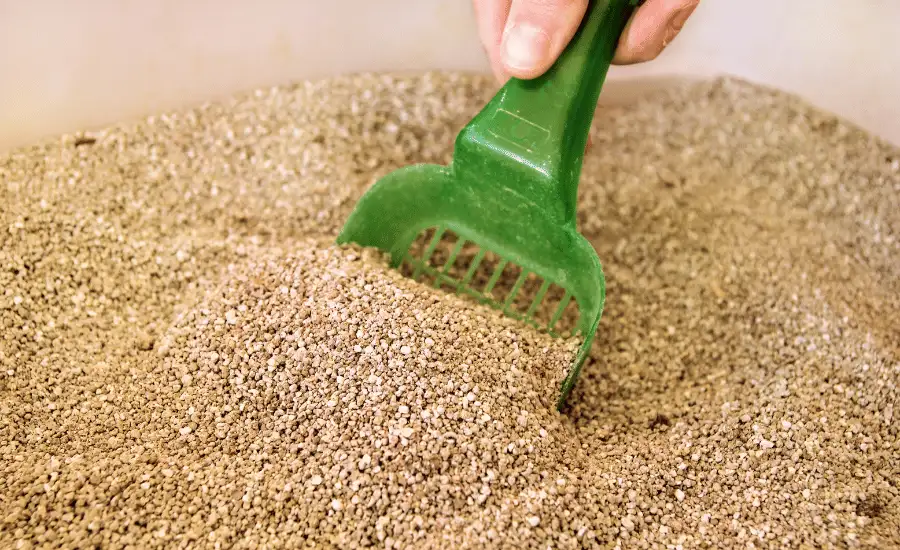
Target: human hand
[[523, 38]]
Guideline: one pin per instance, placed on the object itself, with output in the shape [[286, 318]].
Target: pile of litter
[[187, 361]]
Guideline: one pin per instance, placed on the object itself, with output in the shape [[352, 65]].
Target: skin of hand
[[524, 37]]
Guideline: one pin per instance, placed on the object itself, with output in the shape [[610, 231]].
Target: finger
[[652, 27], [536, 32], [490, 16]]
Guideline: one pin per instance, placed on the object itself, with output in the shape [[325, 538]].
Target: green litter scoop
[[510, 191]]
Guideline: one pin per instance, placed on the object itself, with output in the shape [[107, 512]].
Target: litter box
[[68, 67]]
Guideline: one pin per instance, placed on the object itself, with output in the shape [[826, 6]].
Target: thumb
[[536, 33]]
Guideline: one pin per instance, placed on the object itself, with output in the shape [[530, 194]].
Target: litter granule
[[187, 361]]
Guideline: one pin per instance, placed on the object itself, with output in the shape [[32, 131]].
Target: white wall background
[[67, 66]]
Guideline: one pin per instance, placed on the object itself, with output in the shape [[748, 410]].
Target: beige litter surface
[[187, 362]]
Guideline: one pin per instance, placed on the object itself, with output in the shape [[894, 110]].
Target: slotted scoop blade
[[510, 191]]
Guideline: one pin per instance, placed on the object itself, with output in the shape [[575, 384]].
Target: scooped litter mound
[[187, 361]]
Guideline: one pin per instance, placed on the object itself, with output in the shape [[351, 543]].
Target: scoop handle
[[536, 130]]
